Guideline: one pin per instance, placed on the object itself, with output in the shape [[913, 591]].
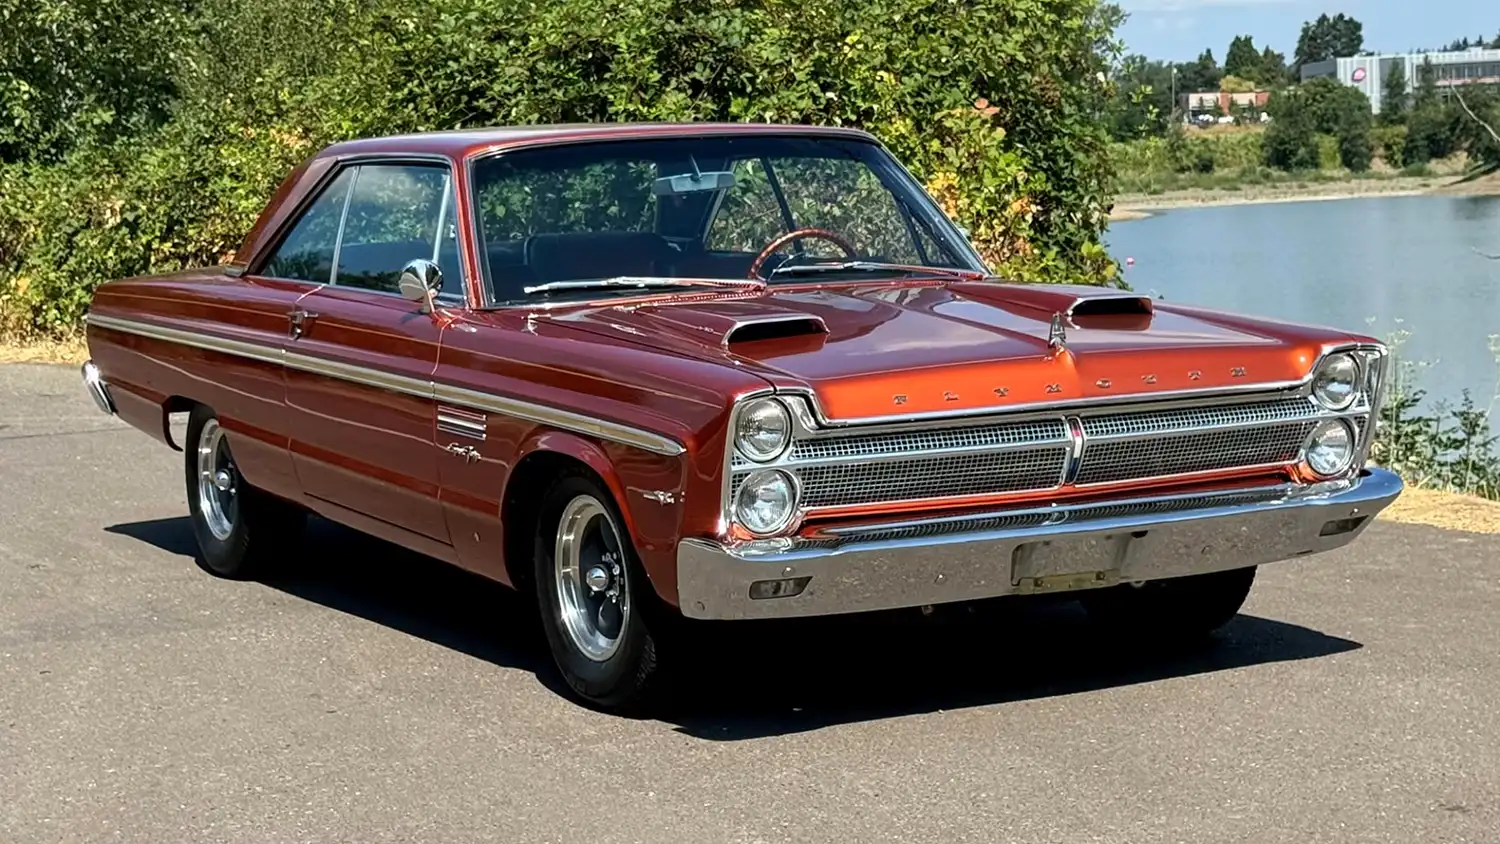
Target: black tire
[[262, 528], [625, 679], [1177, 608]]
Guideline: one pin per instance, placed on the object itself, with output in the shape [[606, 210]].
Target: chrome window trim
[[421, 388]]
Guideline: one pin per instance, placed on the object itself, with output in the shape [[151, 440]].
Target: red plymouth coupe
[[647, 372]]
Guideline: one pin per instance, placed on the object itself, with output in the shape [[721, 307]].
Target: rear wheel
[[594, 600], [241, 530], [1178, 607]]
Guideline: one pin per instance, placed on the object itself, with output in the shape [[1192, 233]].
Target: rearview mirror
[[693, 183], [420, 281]]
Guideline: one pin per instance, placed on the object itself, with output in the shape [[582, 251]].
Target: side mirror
[[420, 281]]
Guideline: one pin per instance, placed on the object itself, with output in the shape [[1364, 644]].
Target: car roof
[[463, 143]]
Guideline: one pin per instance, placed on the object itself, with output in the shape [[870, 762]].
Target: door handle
[[469, 453], [301, 322]]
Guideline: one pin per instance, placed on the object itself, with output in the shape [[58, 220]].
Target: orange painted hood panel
[[901, 348]]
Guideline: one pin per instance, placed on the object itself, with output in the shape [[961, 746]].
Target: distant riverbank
[[1138, 206]]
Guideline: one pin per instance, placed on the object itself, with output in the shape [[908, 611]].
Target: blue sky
[[1178, 30]]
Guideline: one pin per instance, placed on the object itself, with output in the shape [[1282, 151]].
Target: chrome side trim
[[920, 562], [426, 389], [462, 423]]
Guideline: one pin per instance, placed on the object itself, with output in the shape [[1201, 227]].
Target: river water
[[1374, 265]]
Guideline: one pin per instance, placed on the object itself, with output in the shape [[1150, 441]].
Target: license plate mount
[[1068, 565]]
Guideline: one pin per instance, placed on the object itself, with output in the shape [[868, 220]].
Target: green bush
[[1390, 141], [1430, 133], [1291, 141], [997, 107]]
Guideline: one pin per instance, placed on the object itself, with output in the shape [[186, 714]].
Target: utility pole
[[1174, 93]]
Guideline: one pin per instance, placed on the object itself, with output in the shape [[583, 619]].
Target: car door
[[360, 364]]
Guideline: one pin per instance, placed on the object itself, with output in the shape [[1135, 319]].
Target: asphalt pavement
[[367, 695]]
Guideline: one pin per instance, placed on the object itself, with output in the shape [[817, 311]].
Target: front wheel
[[241, 530], [593, 597], [1179, 607]]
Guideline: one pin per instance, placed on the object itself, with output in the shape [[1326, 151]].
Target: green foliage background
[[155, 148]]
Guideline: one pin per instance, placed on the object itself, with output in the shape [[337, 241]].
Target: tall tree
[[1272, 68], [1243, 60], [1201, 75], [1393, 93], [1427, 93], [1329, 38]]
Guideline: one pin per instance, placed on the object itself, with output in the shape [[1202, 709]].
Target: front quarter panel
[[548, 378]]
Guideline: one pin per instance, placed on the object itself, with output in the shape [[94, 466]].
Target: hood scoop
[[732, 323], [1080, 306]]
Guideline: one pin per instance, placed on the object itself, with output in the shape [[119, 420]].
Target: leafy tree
[[75, 70], [1273, 69], [1430, 133], [1243, 60], [1201, 75], [1143, 98], [1291, 141], [1476, 133], [1236, 85], [999, 108], [1329, 38], [1427, 92], [1393, 91]]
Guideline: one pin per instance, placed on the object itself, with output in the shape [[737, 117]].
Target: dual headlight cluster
[[1338, 384], [767, 499]]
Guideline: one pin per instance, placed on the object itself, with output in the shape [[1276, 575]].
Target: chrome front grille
[[846, 468], [843, 484], [1179, 454], [1147, 422], [951, 439]]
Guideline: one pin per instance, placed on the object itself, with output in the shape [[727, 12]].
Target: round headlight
[[1337, 382], [763, 430], [1330, 449], [765, 501]]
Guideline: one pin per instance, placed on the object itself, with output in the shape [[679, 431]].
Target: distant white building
[[1368, 73]]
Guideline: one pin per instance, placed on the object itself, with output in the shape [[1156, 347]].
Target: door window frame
[[316, 192]]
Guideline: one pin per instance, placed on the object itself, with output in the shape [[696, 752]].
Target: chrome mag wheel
[[218, 481], [591, 578]]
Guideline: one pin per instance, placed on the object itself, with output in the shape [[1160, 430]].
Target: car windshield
[[586, 220]]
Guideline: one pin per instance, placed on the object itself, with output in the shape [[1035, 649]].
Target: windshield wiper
[[642, 282], [870, 267]]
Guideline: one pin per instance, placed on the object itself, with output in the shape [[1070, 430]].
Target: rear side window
[[307, 253]]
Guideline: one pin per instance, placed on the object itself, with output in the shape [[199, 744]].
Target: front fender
[[647, 489]]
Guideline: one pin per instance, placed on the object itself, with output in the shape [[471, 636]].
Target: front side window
[[570, 221], [396, 214]]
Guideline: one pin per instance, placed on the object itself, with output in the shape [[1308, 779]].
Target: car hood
[[900, 348]]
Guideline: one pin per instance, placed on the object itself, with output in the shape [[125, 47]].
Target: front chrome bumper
[[97, 388], [1053, 549]]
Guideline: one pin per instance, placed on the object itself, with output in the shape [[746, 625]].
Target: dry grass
[[1445, 510], [66, 350]]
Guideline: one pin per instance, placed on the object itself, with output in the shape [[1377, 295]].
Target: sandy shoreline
[[1140, 206]]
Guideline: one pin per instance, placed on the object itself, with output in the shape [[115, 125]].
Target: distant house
[[1218, 103], [1368, 73]]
